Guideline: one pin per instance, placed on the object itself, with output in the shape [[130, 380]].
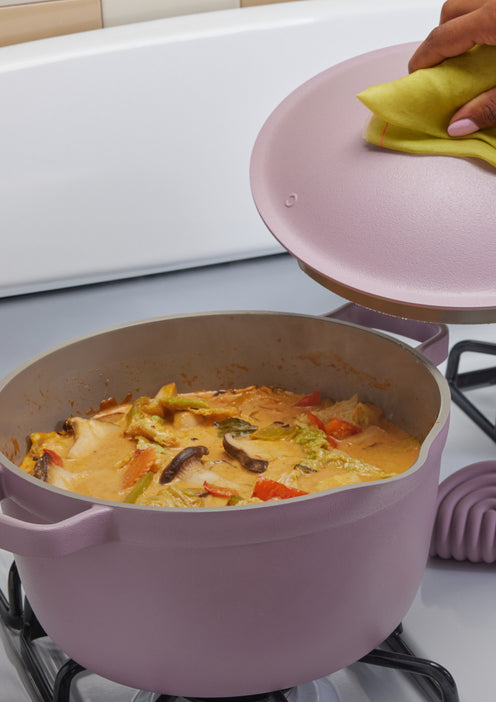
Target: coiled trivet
[[465, 524]]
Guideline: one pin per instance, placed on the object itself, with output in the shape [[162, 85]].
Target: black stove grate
[[434, 681], [461, 382], [276, 696]]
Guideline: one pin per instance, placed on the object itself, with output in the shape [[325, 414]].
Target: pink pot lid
[[408, 234]]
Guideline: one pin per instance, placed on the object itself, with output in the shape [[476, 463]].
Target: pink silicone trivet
[[465, 525]]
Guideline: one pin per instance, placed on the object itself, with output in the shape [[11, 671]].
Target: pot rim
[[439, 423]]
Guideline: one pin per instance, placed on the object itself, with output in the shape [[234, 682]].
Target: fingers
[[445, 41], [479, 113], [463, 24], [457, 34], [456, 8]]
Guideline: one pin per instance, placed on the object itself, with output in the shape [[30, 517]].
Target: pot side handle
[[434, 337], [88, 528]]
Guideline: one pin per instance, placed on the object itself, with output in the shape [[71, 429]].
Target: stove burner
[[435, 682], [460, 382]]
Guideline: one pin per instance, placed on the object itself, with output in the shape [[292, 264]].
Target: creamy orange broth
[[239, 447]]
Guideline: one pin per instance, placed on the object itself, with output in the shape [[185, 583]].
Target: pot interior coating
[[217, 350]]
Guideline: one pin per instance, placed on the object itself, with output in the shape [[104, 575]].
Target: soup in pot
[[223, 447]]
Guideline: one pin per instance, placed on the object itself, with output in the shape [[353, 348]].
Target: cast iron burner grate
[[461, 382], [435, 682]]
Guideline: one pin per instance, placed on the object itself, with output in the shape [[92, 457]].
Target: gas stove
[[454, 606], [54, 677]]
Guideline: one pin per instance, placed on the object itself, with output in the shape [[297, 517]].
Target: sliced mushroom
[[42, 467], [179, 460], [48, 470], [233, 448]]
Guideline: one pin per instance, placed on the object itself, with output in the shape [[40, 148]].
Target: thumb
[[479, 113]]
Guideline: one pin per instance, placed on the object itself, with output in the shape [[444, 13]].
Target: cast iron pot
[[232, 601]]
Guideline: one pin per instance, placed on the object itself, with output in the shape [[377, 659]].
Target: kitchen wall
[[22, 21]]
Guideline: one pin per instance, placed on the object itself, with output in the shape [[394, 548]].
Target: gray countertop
[[33, 323]]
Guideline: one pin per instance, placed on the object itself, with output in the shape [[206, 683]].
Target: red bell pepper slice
[[309, 400], [340, 429], [316, 421], [218, 490], [266, 489]]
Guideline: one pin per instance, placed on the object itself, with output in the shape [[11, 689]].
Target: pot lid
[[407, 234]]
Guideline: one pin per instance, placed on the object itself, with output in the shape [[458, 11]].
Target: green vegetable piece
[[144, 444], [152, 427], [275, 432], [170, 496], [235, 426], [304, 468], [137, 408], [139, 488], [318, 454], [313, 441], [179, 402]]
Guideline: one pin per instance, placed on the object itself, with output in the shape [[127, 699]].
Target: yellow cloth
[[412, 113]]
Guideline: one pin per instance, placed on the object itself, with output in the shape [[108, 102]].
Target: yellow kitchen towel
[[413, 113]]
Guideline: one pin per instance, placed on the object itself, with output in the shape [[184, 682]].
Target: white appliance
[[125, 153]]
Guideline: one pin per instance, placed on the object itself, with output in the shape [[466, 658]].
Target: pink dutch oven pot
[[240, 600]]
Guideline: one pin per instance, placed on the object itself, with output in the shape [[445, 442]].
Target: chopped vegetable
[[169, 496], [165, 393], [364, 415], [309, 400], [266, 489], [140, 463], [235, 426], [304, 468], [275, 432], [139, 488], [143, 444], [168, 398], [137, 409], [219, 490], [140, 423], [182, 402], [316, 421], [315, 444], [341, 429]]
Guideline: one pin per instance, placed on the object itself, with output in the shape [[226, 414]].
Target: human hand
[[463, 24]]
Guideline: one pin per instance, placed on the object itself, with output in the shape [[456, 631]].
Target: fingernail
[[462, 127]]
